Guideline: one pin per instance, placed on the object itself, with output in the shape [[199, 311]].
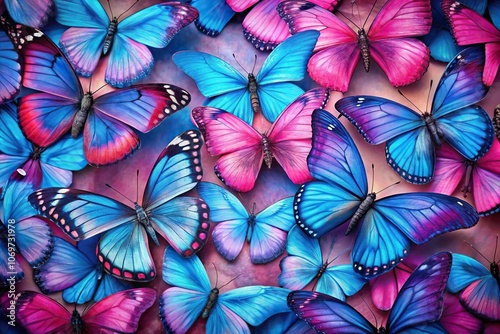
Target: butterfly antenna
[[339, 255], [216, 274], [407, 99], [236, 60], [370, 13], [348, 19], [90, 85], [107, 185], [495, 254], [373, 177], [484, 257], [136, 1], [370, 309], [428, 96], [254, 63], [98, 89], [395, 183]]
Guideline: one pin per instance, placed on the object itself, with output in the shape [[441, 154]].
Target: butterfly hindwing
[[213, 16]]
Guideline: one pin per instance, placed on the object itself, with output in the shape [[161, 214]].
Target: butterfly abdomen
[[360, 212], [266, 148], [496, 121], [212, 298], [430, 123], [468, 176], [76, 322], [110, 35], [252, 88], [251, 225], [321, 270], [81, 116], [365, 51]]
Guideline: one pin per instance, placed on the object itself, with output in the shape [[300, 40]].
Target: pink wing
[[239, 145], [336, 52], [119, 312], [241, 5], [468, 27], [449, 170], [455, 318], [38, 313], [486, 181], [385, 288], [291, 133], [404, 60]]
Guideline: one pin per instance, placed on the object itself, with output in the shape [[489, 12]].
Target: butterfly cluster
[[285, 235]]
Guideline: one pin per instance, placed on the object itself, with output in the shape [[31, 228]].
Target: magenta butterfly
[[242, 148], [470, 28], [482, 177], [265, 29], [455, 318], [388, 41], [117, 313]]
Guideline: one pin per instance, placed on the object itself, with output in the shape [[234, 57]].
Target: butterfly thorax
[[321, 270], [143, 219], [382, 330], [81, 116], [363, 46], [212, 298], [361, 211], [469, 166], [112, 28], [251, 224], [252, 88], [430, 123], [76, 322], [37, 152], [266, 148], [495, 272]]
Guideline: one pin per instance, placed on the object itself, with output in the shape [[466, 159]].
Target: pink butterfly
[[242, 148], [388, 41], [482, 177], [265, 29], [119, 312], [241, 5], [456, 319], [468, 27]]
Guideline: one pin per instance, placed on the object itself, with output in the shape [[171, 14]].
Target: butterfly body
[[143, 219], [364, 48], [361, 211], [110, 34], [254, 97], [211, 300], [76, 322]]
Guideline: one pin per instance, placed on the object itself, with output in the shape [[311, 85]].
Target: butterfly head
[[76, 322]]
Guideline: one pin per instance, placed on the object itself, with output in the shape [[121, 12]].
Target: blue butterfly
[[10, 74], [77, 272], [93, 34], [411, 137], [49, 166], [417, 308], [32, 13], [340, 194], [214, 15], [269, 91], [440, 40], [20, 231], [191, 296], [284, 323], [266, 231], [308, 260], [123, 249]]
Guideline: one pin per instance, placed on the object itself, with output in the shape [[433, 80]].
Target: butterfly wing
[[450, 168], [327, 314], [290, 135], [336, 53], [285, 323], [341, 185], [213, 17], [181, 305], [385, 288], [456, 319], [469, 28], [38, 313], [10, 77], [241, 5], [239, 145], [32, 13], [119, 312], [231, 217], [486, 181]]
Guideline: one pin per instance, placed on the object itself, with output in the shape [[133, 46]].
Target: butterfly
[[416, 309], [214, 15], [482, 177], [266, 231], [455, 318], [388, 226], [268, 92], [468, 28], [77, 272], [10, 75], [439, 39], [20, 232], [123, 250], [61, 105], [243, 149], [496, 121], [388, 42], [308, 260], [117, 313], [92, 34], [32, 13], [412, 137], [191, 296], [479, 287], [49, 166]]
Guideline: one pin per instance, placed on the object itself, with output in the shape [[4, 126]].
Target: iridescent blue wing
[[181, 304], [214, 16], [341, 185], [409, 148], [420, 300], [10, 76], [494, 9], [327, 314], [275, 97], [231, 217], [393, 222], [182, 221], [33, 13], [284, 323], [463, 125], [9, 267]]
